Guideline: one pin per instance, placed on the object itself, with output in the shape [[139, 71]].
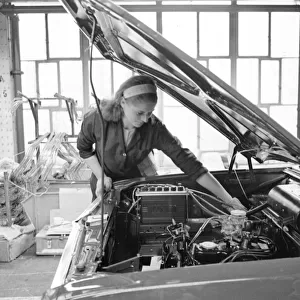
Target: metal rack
[[35, 103]]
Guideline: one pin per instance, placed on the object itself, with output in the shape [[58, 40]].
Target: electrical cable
[[256, 209], [102, 129], [198, 199]]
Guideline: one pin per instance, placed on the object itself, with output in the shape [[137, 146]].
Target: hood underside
[[124, 39]]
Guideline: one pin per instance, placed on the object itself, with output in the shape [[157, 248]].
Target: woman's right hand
[[107, 185]]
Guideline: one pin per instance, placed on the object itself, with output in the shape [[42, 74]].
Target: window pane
[[61, 122], [221, 67], [186, 129], [253, 33], [32, 30], [285, 34], [101, 80], [269, 81], [286, 116], [247, 78], [29, 129], [71, 80], [44, 121], [48, 83], [180, 28], [148, 18], [214, 33], [170, 101], [211, 139], [289, 87], [121, 73], [63, 36], [28, 80]]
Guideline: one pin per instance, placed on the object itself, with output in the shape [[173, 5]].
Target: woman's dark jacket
[[120, 162]]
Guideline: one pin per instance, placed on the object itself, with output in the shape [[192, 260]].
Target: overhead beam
[[6, 9]]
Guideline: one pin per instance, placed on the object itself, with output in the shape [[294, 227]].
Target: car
[[166, 237]]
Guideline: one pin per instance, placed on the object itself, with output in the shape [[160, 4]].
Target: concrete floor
[[28, 276]]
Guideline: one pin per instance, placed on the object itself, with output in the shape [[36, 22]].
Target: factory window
[[221, 67], [213, 34], [63, 37], [247, 78], [289, 77], [256, 52], [183, 25], [253, 40], [32, 46], [268, 62], [285, 34], [269, 81], [71, 80]]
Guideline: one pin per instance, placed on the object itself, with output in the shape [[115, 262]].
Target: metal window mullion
[[233, 52], [298, 107], [159, 29], [280, 81], [85, 56], [112, 85], [161, 107], [233, 45], [259, 103], [15, 38], [51, 119], [58, 82], [198, 56], [270, 33], [47, 36], [154, 8]]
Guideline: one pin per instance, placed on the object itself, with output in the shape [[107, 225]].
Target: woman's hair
[[112, 110]]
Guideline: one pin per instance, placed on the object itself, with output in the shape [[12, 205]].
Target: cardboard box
[[52, 243], [15, 240]]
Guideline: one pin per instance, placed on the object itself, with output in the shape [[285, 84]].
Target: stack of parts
[[16, 193], [16, 229]]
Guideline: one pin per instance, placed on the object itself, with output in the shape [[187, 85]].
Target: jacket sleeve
[[182, 157], [86, 137]]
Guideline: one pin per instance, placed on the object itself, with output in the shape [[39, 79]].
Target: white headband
[[139, 90]]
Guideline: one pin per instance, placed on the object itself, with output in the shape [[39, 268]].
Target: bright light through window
[[214, 33], [63, 36], [285, 34], [247, 78], [32, 31], [269, 81], [180, 28], [253, 33]]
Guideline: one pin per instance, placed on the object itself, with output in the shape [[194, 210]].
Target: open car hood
[[124, 39]]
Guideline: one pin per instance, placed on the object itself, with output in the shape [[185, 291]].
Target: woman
[[132, 132]]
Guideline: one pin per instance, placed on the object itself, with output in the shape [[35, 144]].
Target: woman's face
[[136, 113]]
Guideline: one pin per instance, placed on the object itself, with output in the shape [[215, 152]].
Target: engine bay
[[157, 226]]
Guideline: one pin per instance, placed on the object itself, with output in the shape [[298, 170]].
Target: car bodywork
[[165, 236]]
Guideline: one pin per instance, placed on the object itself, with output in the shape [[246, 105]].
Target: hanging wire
[[102, 129]]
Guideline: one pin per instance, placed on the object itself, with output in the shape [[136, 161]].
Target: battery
[[159, 205]]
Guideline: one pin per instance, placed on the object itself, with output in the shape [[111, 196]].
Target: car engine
[[160, 226], [167, 229]]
